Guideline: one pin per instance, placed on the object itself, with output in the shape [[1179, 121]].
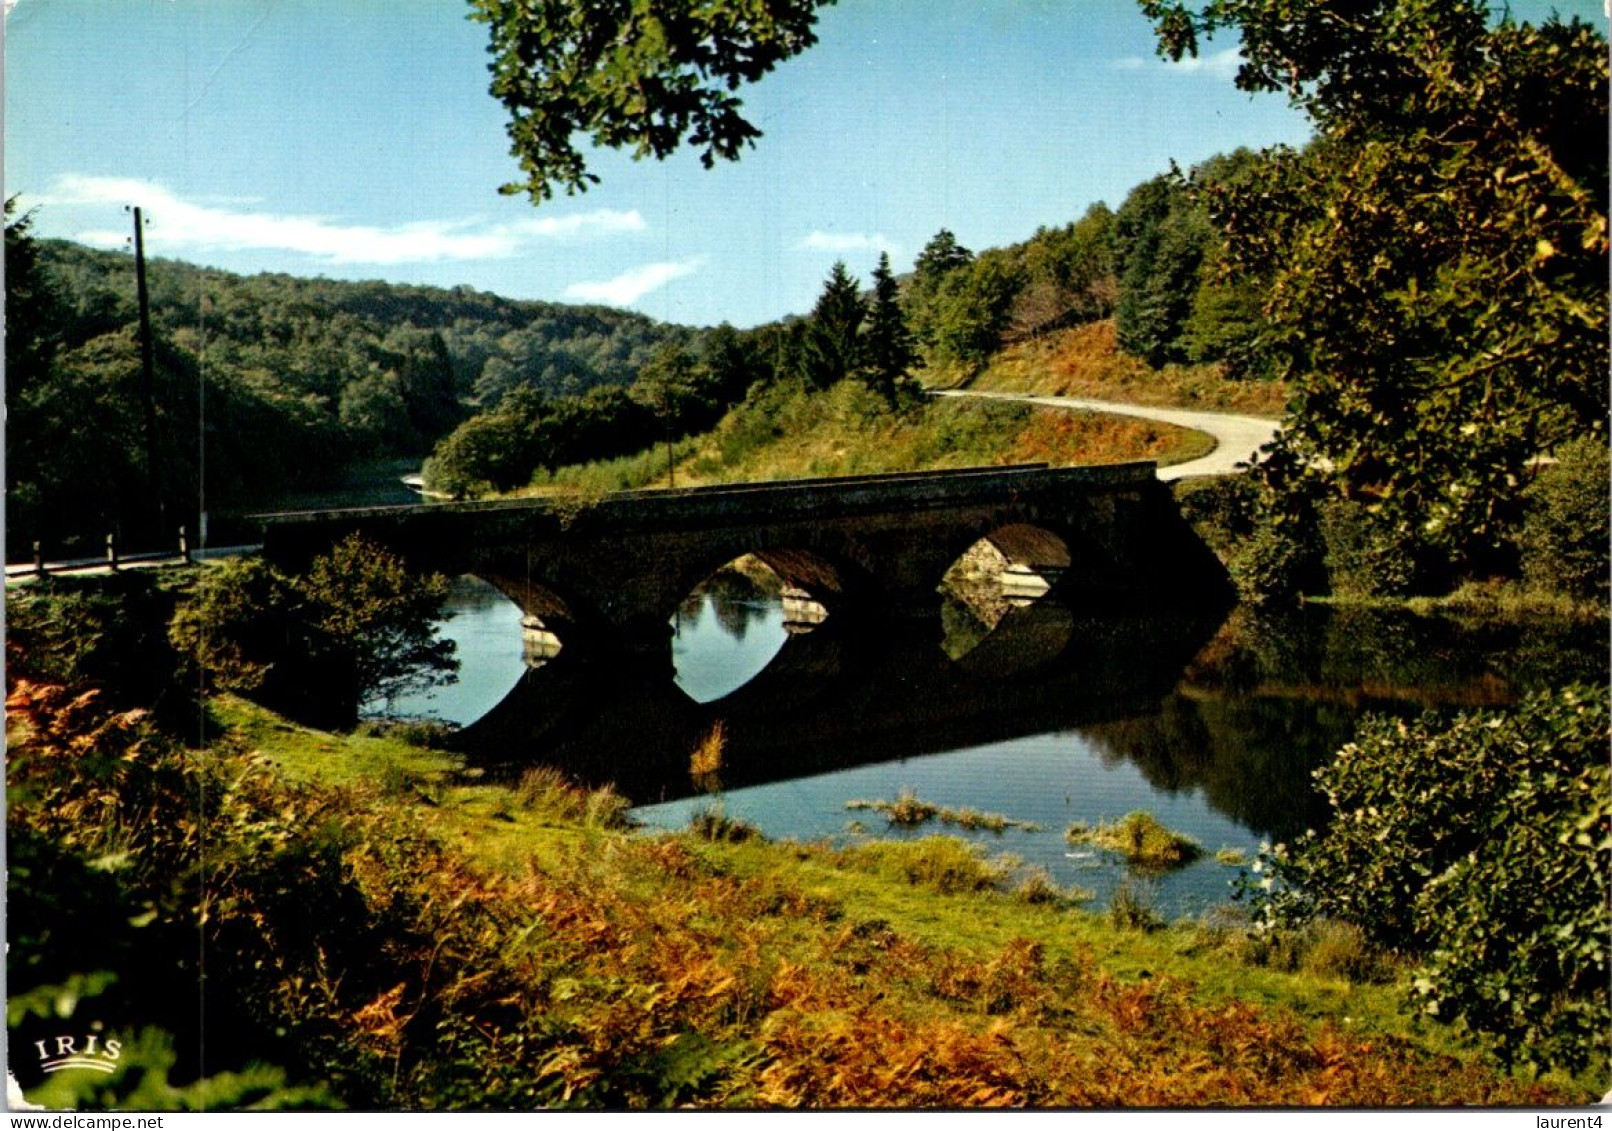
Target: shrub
[[1366, 555], [356, 626], [1565, 531], [1482, 846]]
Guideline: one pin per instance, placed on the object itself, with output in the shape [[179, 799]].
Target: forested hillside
[[296, 380], [1152, 269]]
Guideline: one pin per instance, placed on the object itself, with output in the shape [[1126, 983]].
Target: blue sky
[[356, 139]]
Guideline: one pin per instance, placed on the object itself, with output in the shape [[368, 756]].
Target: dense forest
[[296, 379]]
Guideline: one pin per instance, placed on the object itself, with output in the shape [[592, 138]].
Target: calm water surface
[[1051, 718]]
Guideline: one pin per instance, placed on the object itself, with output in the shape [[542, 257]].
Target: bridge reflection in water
[[848, 692]]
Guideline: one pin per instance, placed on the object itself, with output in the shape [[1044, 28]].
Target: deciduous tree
[[645, 77], [1439, 258]]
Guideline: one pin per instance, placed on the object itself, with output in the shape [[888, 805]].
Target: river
[[1043, 714]]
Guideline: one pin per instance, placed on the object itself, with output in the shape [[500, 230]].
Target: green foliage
[[887, 343], [642, 78], [356, 626], [972, 305], [1438, 256], [487, 453], [1368, 555], [832, 349], [1564, 535], [1482, 845]]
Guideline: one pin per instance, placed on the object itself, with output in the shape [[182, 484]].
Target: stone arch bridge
[[614, 569]]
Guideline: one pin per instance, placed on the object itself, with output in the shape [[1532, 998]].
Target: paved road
[[1236, 438], [79, 567]]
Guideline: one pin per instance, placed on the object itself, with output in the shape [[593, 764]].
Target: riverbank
[[720, 969]]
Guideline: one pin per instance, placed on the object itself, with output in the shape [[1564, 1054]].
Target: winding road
[[1236, 438]]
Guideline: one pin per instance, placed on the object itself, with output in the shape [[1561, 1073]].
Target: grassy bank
[[1085, 361], [508, 946], [785, 431]]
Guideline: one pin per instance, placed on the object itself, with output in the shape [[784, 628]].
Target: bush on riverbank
[[1554, 561], [357, 624], [1483, 846]]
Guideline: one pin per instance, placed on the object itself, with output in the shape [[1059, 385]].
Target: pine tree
[[940, 256], [832, 348], [887, 351]]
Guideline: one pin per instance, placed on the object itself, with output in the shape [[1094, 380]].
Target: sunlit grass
[[1085, 361], [788, 432]]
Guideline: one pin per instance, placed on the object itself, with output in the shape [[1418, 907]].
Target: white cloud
[[186, 224], [1220, 65], [845, 242], [632, 285], [582, 223]]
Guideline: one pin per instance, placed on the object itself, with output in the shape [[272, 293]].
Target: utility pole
[[147, 375]]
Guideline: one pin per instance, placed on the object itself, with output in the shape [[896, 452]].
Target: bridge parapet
[[835, 496]]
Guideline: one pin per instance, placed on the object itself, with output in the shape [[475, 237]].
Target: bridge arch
[[1025, 557], [804, 574], [550, 619]]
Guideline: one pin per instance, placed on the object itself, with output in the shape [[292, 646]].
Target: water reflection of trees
[[1243, 714], [1268, 700], [1371, 657], [1252, 758], [735, 596]]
